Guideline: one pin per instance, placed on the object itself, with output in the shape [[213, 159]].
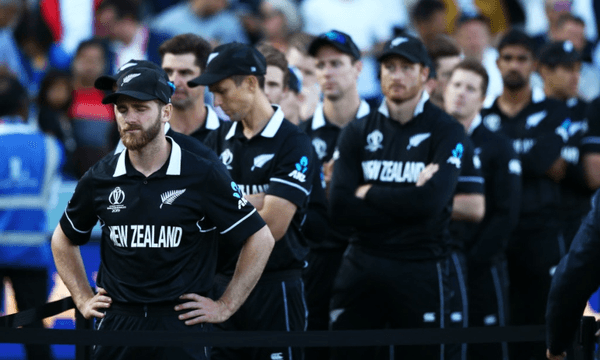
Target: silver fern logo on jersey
[[227, 157], [170, 196], [374, 140], [261, 160], [116, 199]]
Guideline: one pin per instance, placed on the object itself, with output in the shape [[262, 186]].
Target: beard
[[514, 81], [134, 142]]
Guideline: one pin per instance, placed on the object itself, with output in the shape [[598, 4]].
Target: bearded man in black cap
[[158, 204], [271, 160]]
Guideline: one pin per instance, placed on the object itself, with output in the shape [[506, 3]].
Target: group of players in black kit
[[353, 220]]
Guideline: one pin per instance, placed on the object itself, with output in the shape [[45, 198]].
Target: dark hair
[[566, 17], [276, 58], [425, 9], [239, 79], [442, 46], [187, 44], [49, 80], [13, 96], [33, 27], [476, 18], [301, 41], [122, 8], [517, 37], [97, 42], [475, 66]]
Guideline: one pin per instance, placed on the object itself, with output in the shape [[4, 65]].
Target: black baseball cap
[[106, 82], [339, 40], [559, 52], [229, 60], [295, 79], [142, 83], [408, 47]]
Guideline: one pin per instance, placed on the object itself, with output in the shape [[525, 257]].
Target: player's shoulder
[[306, 125], [104, 168], [193, 145], [289, 131]]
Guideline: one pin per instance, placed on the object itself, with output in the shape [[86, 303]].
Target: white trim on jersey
[[238, 222], [475, 179], [290, 184], [474, 124], [212, 120], [318, 120], [383, 109], [73, 226], [175, 160], [274, 124]]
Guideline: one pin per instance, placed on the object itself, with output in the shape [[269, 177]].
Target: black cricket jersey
[[396, 218], [278, 162], [575, 201], [538, 134], [324, 136], [212, 123], [501, 168], [157, 241], [470, 180]]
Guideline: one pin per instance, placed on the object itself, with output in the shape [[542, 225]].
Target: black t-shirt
[[538, 133], [397, 219], [278, 162], [324, 136], [501, 169], [212, 123], [575, 202], [157, 241]]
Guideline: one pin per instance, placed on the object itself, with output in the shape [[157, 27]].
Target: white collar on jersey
[[272, 126], [474, 124], [212, 120], [383, 109], [537, 94], [319, 116], [174, 161]]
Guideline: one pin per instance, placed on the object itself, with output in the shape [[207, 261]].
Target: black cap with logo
[[107, 82], [408, 47], [339, 40], [143, 84], [295, 79], [559, 52], [228, 60]]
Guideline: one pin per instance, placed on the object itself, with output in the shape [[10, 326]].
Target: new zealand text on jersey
[[392, 171], [145, 236]]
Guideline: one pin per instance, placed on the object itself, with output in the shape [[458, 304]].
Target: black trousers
[[532, 257], [459, 303], [373, 292], [277, 303], [31, 290], [121, 317], [488, 306], [319, 276]]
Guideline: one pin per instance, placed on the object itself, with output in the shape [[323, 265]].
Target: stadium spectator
[[210, 19], [30, 164], [54, 101], [281, 19], [92, 121], [131, 39], [429, 19]]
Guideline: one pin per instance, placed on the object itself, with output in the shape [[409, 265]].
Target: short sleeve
[[224, 204], [291, 178], [79, 218]]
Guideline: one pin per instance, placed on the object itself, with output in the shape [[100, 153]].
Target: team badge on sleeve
[[514, 167], [238, 194], [457, 154], [563, 130], [300, 172]]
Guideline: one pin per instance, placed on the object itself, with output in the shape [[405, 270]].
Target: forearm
[[69, 265], [468, 207], [251, 263]]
